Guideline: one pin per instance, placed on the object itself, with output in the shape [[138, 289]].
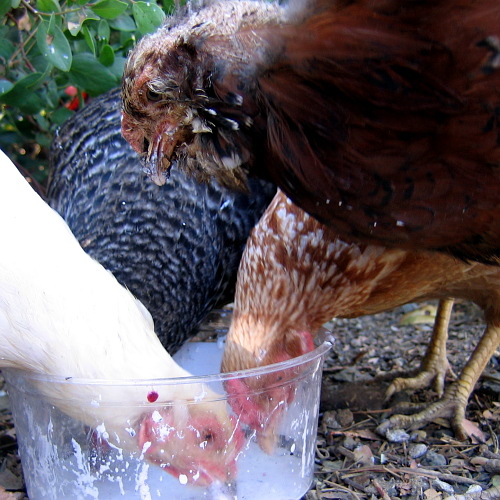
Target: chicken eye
[[153, 96]]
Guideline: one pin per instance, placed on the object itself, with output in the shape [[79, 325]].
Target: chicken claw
[[435, 365], [452, 405]]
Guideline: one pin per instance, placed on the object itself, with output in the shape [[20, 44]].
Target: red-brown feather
[[381, 119], [296, 274], [384, 118]]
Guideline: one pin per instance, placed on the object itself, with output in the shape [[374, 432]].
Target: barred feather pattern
[[176, 248]]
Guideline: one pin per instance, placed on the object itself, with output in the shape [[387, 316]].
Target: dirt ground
[[353, 461]]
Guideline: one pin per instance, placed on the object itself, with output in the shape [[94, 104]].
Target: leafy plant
[[53, 54]]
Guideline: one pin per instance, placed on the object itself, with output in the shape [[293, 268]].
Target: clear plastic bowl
[[61, 458]]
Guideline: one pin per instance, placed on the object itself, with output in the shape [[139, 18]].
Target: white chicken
[[63, 314]]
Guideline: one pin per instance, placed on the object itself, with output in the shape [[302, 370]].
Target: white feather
[[63, 314]]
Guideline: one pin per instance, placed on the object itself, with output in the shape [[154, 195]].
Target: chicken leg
[[435, 364], [452, 405]]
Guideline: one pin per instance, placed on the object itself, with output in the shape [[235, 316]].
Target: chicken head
[[380, 119], [171, 111], [261, 400], [201, 452], [296, 275]]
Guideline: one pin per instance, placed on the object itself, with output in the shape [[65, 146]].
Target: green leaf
[[42, 122], [52, 23], [30, 82], [21, 94], [4, 7], [6, 49], [5, 86], [123, 23], [127, 40], [107, 55], [89, 39], [169, 6], [117, 67], [52, 94], [90, 75], [103, 31], [53, 45], [148, 16], [61, 115], [76, 19], [48, 5], [109, 9], [43, 140]]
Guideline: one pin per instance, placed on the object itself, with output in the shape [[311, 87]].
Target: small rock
[[434, 459], [349, 374], [10, 481], [442, 486], [397, 435], [492, 466], [363, 455], [398, 364], [311, 495], [337, 419], [350, 443], [417, 450], [389, 487], [330, 420], [418, 436], [330, 465], [345, 417], [474, 488], [443, 433]]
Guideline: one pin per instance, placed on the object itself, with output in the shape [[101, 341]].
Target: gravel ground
[[353, 462]]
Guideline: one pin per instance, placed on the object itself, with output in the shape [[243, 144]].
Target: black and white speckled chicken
[[175, 247]]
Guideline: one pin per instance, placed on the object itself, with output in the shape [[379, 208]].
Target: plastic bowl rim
[[326, 344]]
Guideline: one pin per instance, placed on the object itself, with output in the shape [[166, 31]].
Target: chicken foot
[[435, 365], [454, 402]]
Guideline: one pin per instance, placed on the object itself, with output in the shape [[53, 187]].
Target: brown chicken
[[381, 119], [297, 274]]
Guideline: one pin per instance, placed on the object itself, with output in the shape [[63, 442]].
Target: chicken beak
[[157, 153], [262, 412], [155, 163], [159, 174]]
